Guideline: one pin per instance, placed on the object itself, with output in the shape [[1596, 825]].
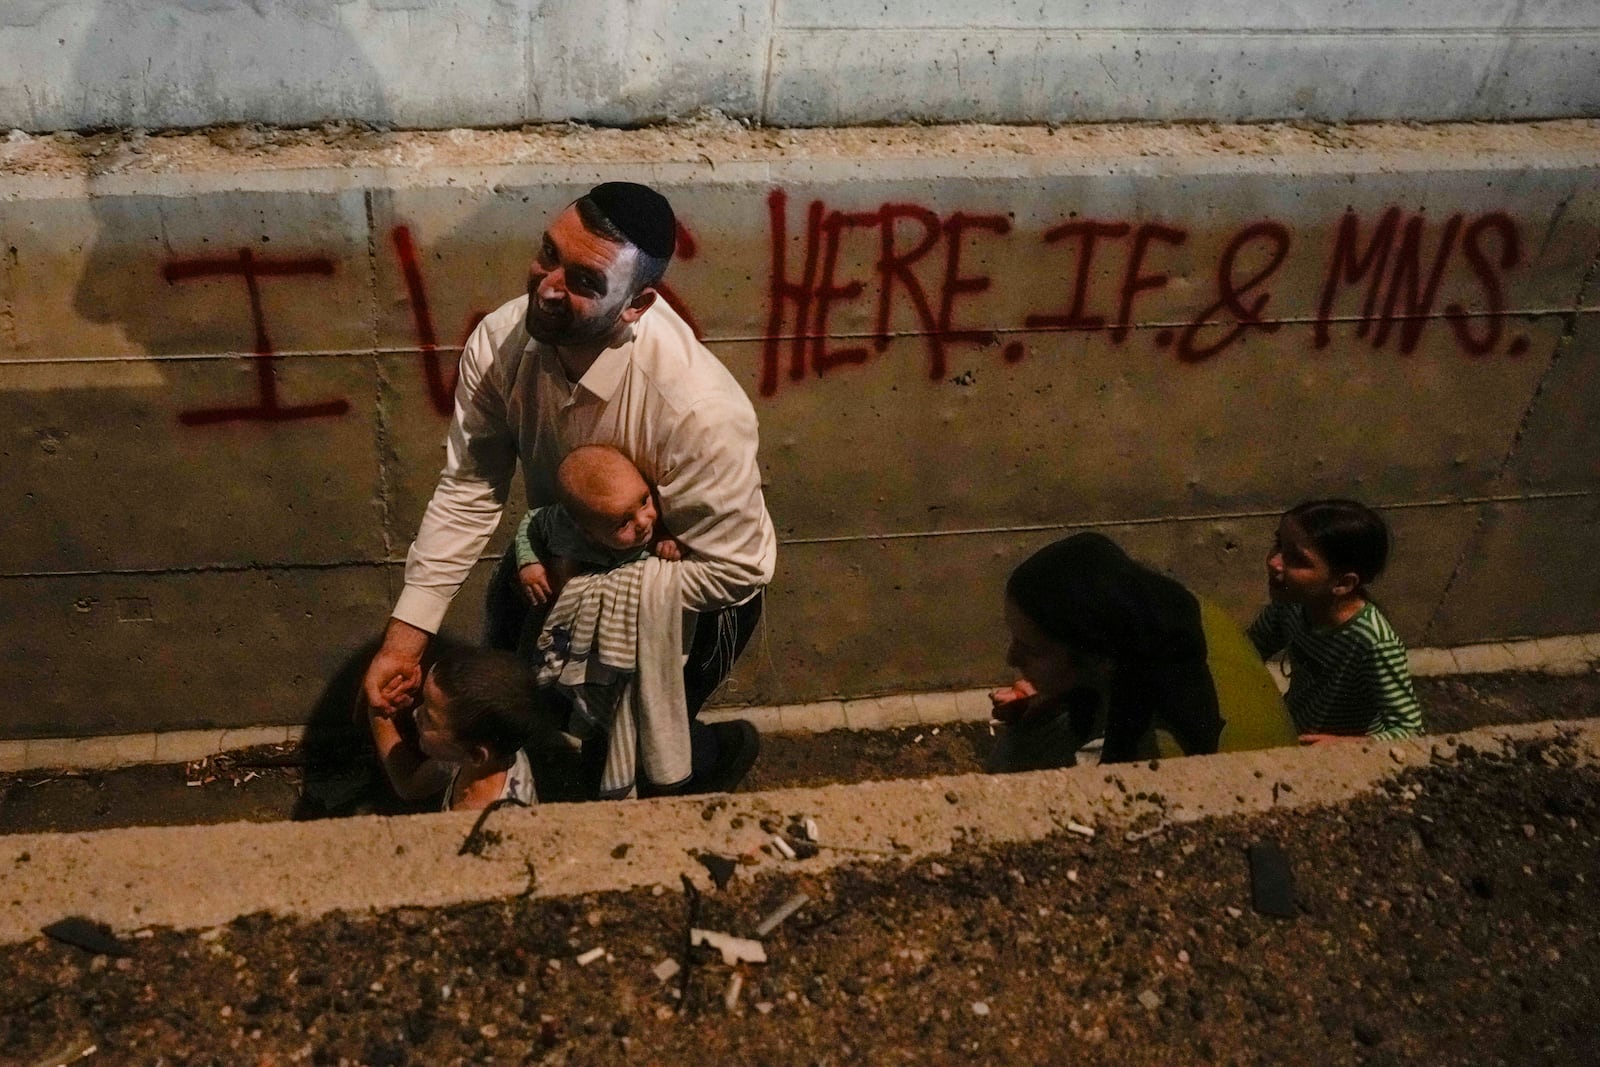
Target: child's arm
[[1397, 714], [1266, 631], [412, 775], [531, 571]]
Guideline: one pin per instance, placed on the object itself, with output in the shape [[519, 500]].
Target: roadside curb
[[1569, 655], [197, 877]]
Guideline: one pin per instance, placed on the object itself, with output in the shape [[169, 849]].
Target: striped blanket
[[612, 644]]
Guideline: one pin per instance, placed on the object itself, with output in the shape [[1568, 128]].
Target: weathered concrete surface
[[960, 342], [440, 63], [193, 877]]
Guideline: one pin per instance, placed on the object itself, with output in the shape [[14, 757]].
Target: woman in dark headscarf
[[1108, 647]]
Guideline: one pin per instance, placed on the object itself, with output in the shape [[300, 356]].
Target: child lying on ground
[[1348, 672], [607, 517], [476, 713]]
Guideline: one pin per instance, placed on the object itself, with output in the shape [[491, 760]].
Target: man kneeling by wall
[[591, 355]]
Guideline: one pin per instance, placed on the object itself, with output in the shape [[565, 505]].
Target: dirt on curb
[[1447, 919], [713, 138]]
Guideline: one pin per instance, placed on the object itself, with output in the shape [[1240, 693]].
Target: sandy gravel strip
[[195, 877]]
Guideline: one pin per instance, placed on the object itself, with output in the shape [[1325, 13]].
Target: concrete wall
[[73, 64], [948, 373]]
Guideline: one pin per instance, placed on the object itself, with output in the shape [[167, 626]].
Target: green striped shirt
[[1350, 679]]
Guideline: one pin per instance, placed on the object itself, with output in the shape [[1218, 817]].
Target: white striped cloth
[[612, 645]]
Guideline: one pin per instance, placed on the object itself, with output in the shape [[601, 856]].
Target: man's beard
[[563, 330]]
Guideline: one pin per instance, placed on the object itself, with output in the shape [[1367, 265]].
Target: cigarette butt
[[1079, 829], [586, 958], [782, 912], [730, 999], [783, 846]]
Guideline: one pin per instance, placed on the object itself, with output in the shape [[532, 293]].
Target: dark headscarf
[[1084, 592]]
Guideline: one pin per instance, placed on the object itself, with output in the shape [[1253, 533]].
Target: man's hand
[[394, 677], [1014, 703], [535, 579]]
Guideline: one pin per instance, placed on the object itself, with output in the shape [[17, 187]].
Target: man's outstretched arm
[[480, 459]]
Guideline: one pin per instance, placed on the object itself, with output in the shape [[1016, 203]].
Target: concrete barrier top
[[192, 877]]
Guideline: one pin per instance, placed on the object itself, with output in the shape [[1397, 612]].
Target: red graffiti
[[439, 372], [1231, 293], [1403, 286], [1088, 234], [913, 262], [816, 290], [268, 408], [441, 383], [685, 247], [1493, 295], [1136, 282]]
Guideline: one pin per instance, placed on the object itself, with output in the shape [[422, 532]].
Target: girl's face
[[434, 735], [1297, 573], [1050, 666]]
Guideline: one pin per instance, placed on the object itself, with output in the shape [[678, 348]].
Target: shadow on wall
[[196, 46], [203, 504]]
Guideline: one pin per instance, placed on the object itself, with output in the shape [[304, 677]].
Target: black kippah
[[642, 214]]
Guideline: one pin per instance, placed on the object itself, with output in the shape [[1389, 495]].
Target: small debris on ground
[[87, 934], [734, 949], [780, 913], [720, 868]]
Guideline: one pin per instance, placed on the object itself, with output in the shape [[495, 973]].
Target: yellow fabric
[[1253, 713]]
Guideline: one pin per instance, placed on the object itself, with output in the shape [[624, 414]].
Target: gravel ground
[[1449, 919]]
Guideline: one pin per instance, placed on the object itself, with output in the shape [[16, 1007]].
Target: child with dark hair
[[1348, 672], [476, 714], [1106, 647]]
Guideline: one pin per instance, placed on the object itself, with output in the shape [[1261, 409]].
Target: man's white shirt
[[659, 396]]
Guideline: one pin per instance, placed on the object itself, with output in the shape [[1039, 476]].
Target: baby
[[476, 712], [607, 517]]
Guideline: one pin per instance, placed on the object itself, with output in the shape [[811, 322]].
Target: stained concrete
[[908, 462], [196, 877]]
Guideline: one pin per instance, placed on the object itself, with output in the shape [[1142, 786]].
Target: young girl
[[476, 713], [1107, 647], [1348, 673]]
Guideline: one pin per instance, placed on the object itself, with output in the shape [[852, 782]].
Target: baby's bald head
[[607, 496]]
